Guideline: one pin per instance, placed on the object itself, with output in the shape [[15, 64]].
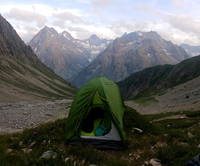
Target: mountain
[[94, 45], [65, 55], [22, 75], [159, 78], [191, 50], [131, 53], [59, 52]]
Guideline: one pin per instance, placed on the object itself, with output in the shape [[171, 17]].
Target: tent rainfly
[[96, 115]]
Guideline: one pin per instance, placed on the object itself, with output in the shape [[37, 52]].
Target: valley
[[157, 114]]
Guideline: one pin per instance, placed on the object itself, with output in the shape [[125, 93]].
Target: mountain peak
[[150, 34], [94, 37], [67, 35], [153, 34], [48, 30], [95, 40], [11, 42], [45, 33]]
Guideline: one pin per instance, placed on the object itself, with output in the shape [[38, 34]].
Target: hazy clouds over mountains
[[107, 18]]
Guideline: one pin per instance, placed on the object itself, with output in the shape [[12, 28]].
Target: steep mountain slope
[[131, 53], [65, 55], [191, 50], [158, 78], [59, 53], [22, 75]]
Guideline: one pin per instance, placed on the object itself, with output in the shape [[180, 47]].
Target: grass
[[145, 100], [173, 141]]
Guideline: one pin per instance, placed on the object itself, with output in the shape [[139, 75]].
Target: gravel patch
[[15, 117]]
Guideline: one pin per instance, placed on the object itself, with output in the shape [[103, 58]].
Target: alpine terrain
[[131, 53], [65, 55]]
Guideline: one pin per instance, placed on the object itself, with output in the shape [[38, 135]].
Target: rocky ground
[[15, 117]]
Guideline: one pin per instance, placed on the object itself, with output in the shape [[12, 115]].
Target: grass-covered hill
[[158, 78], [22, 75], [21, 81], [171, 138]]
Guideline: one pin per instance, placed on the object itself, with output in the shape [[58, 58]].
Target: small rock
[[155, 162], [169, 125], [92, 165], [183, 144], [32, 144], [146, 163], [166, 135], [137, 130], [198, 146], [20, 143], [67, 159], [44, 142], [49, 154], [160, 144], [26, 150], [48, 114], [136, 156], [83, 162], [9, 150], [190, 135]]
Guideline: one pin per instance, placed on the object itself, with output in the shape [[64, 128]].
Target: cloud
[[62, 17], [26, 32], [179, 3], [122, 26], [176, 27], [107, 19], [102, 3], [26, 16], [184, 23], [80, 33]]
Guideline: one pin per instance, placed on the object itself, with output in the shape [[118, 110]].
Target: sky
[[175, 20]]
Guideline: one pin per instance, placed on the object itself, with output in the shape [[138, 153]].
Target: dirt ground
[[15, 117]]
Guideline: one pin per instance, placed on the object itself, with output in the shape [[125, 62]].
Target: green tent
[[97, 107]]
